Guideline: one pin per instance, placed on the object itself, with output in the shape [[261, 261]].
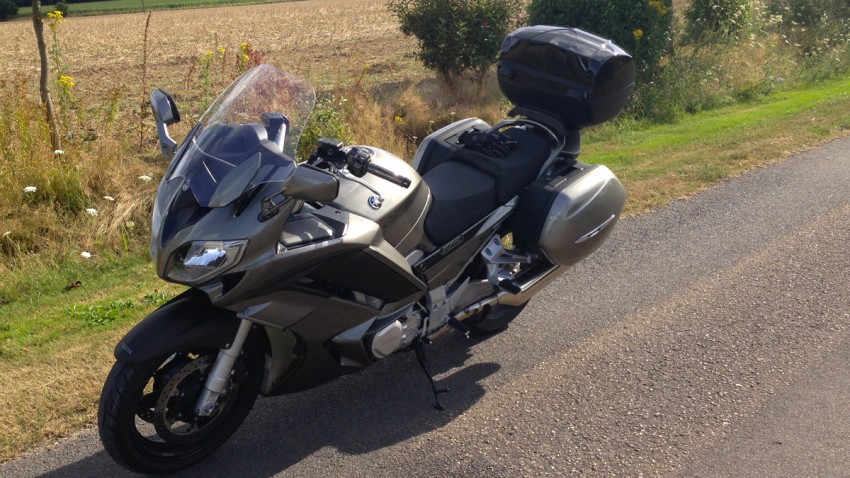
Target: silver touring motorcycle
[[300, 273]]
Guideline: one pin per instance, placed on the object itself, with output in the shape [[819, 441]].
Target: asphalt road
[[709, 338]]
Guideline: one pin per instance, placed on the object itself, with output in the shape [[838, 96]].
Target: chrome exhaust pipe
[[527, 290], [530, 287]]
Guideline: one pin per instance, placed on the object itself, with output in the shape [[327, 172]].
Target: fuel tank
[[400, 212]]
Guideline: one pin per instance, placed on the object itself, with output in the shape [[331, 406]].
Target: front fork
[[220, 372]]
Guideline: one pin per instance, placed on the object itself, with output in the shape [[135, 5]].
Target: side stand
[[419, 347]]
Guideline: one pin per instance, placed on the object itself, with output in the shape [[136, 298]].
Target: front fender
[[187, 321]]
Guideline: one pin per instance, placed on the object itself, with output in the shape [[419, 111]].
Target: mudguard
[[187, 321]]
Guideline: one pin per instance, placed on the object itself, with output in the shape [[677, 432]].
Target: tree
[[46, 100], [8, 9]]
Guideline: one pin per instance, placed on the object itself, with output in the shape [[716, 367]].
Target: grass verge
[[56, 344], [661, 163]]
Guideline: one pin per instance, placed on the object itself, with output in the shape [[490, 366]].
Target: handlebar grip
[[388, 175]]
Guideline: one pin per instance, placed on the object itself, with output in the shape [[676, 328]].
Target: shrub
[[62, 7], [810, 12], [819, 29], [717, 18], [642, 28], [456, 36], [8, 9]]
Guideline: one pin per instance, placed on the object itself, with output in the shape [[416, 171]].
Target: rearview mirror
[[312, 184], [165, 112]]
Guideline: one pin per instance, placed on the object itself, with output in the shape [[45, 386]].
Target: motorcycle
[[300, 273]]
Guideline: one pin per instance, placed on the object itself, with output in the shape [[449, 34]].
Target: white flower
[[6, 233], [30, 189], [91, 211], [86, 255], [145, 178], [58, 152], [109, 198]]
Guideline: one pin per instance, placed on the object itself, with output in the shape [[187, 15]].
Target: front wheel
[[146, 416]]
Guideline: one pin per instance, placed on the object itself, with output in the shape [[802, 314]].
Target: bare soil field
[[322, 40]]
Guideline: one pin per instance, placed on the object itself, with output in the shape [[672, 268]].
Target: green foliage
[[816, 27], [722, 19], [102, 313], [819, 31], [642, 28], [326, 121], [8, 9], [157, 298], [810, 12], [62, 7], [456, 36]]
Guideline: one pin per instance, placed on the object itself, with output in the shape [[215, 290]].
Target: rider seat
[[468, 185]]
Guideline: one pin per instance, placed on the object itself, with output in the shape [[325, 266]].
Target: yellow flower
[[66, 82], [638, 34], [54, 18], [221, 50], [207, 58], [398, 119], [245, 50], [659, 7]]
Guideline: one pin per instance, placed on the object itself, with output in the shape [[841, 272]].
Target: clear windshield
[[237, 143]]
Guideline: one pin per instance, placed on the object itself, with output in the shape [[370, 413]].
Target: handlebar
[[359, 162], [388, 175]]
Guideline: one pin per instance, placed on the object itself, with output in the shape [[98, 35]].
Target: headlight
[[201, 260]]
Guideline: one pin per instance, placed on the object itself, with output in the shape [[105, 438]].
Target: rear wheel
[[146, 417], [494, 320]]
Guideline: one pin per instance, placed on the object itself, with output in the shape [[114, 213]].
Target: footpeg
[[510, 286], [459, 326]]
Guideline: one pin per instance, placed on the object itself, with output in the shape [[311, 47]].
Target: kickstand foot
[[419, 347]]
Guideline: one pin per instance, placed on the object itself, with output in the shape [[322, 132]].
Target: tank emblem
[[375, 201]]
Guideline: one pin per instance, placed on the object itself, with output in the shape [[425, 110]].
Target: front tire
[[146, 416]]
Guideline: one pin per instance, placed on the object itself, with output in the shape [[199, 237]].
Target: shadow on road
[[378, 407]]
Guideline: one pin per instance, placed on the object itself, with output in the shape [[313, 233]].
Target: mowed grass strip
[[661, 163]]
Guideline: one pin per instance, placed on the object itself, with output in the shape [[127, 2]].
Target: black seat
[[461, 195], [469, 185]]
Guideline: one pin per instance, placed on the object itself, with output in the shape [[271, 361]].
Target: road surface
[[708, 338]]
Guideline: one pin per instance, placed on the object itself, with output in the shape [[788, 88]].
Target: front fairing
[[207, 208]]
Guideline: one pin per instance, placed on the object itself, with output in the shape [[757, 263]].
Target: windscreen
[[234, 148]]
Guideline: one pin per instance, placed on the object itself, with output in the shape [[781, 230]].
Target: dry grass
[[321, 40], [311, 38], [44, 401]]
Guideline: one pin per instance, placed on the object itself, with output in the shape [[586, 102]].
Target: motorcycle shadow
[[378, 407]]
